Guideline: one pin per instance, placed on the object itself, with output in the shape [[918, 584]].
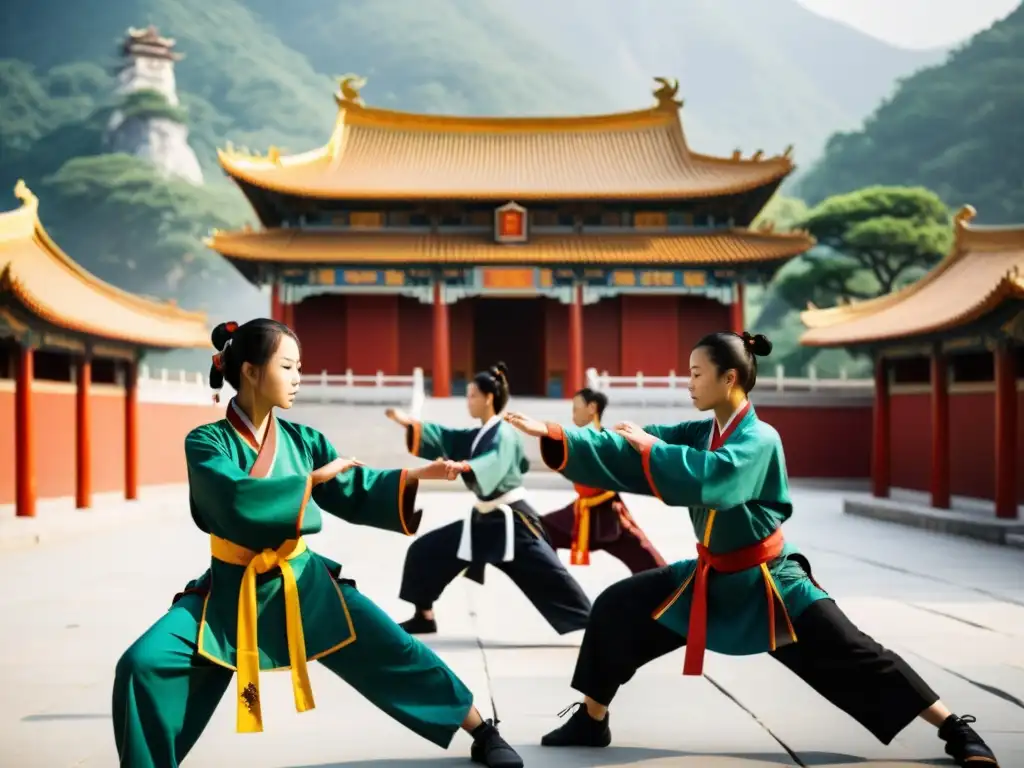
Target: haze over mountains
[[754, 73]]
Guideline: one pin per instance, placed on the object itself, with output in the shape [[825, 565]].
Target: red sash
[[726, 562], [588, 498]]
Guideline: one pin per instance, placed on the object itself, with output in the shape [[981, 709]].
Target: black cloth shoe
[[964, 744], [490, 749], [580, 730], [418, 625]]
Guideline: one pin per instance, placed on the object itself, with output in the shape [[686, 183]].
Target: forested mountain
[[754, 74], [956, 128]]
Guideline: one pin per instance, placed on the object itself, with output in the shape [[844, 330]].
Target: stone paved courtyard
[[953, 607]]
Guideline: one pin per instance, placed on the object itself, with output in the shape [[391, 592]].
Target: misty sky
[[915, 23]]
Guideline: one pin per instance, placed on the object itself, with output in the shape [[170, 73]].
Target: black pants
[[431, 565], [873, 685]]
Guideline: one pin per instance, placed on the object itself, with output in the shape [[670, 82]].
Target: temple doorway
[[511, 330]]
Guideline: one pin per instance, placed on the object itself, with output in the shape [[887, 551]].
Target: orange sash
[[579, 553]]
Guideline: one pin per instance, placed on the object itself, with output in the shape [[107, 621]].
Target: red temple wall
[[415, 336], [320, 322], [162, 429], [698, 316], [650, 333], [910, 435], [556, 341], [823, 441], [602, 335], [372, 333], [971, 437], [460, 330]]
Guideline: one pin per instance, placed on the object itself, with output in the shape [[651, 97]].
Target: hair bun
[[500, 370], [758, 344], [222, 335]]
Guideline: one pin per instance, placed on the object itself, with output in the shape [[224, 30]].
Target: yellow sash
[[250, 713], [580, 551]]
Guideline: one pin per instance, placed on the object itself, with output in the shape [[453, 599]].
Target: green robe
[[737, 496], [259, 512]]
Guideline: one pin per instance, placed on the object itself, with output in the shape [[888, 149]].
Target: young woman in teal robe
[[749, 590], [258, 485], [501, 529]]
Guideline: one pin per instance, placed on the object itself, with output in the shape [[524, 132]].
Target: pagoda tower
[[148, 63]]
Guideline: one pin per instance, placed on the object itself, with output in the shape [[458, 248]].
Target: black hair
[[593, 397], [254, 342], [738, 352], [494, 381]]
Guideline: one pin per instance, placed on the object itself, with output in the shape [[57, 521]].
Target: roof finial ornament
[[965, 215], [788, 152], [348, 90], [666, 95], [23, 193]]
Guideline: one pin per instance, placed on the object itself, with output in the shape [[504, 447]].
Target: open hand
[[440, 469], [398, 416], [635, 435], [526, 425], [334, 468]]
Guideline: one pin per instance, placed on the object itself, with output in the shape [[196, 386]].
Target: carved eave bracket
[[666, 94]]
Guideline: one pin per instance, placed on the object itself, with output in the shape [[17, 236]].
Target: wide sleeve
[[691, 433], [682, 476], [431, 441], [595, 459], [252, 512], [378, 498]]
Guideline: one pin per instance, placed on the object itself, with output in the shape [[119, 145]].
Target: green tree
[[139, 230], [783, 212], [872, 241]]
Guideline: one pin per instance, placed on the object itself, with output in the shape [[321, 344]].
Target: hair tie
[[218, 361]]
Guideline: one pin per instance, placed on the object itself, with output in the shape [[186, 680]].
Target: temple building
[[552, 243], [949, 371], [70, 346]]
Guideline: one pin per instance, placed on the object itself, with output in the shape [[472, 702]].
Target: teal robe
[[497, 461], [260, 497], [737, 496]]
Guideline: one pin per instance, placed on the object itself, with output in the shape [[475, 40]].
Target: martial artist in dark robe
[[598, 520]]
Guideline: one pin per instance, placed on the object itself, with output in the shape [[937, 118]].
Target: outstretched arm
[[379, 498], [432, 441], [586, 456]]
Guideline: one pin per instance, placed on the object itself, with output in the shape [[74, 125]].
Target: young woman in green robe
[[257, 486], [749, 590], [501, 528]]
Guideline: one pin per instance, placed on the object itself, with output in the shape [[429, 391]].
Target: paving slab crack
[[999, 693], [725, 692], [945, 615], [483, 653]]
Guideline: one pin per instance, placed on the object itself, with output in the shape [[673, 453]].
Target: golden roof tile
[[56, 290], [380, 154], [295, 246], [984, 268]]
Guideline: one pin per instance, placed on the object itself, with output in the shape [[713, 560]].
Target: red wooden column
[[940, 431], [442, 363], [737, 320], [131, 430], [1006, 432], [83, 434], [574, 372], [24, 437], [880, 469], [275, 302]]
